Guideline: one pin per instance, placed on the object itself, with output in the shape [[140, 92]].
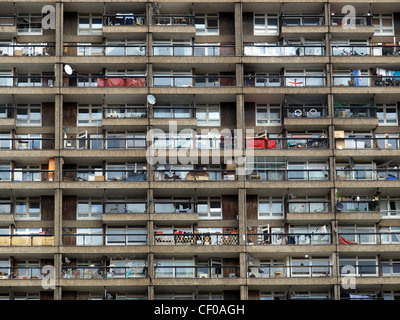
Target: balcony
[[195, 50], [277, 50], [101, 81], [194, 175], [108, 239], [109, 272], [283, 271], [27, 50], [179, 81], [358, 27], [173, 24], [107, 175], [124, 211], [7, 116], [369, 238], [128, 24], [202, 239], [124, 117], [289, 175], [94, 50], [389, 50], [304, 116], [26, 175], [289, 238], [21, 272], [366, 174], [196, 272], [26, 143], [27, 81], [30, 240], [294, 81], [117, 142], [297, 143], [311, 24], [369, 143], [349, 116], [366, 81]]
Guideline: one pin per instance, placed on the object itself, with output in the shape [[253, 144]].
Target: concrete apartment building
[[316, 216]]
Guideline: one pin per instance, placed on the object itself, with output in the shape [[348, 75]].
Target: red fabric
[[135, 82], [345, 241], [115, 82], [271, 144], [100, 82], [256, 143]]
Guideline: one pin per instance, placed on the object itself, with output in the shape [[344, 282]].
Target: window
[[29, 115], [383, 24], [125, 48], [208, 115], [88, 49], [307, 170], [305, 78], [5, 206], [268, 114], [129, 268], [270, 207], [5, 172], [28, 173], [172, 48], [125, 111], [390, 235], [27, 208], [346, 78], [125, 205], [173, 205], [89, 208], [390, 267], [349, 47], [266, 80], [126, 236], [89, 237], [29, 80], [26, 296], [28, 269], [28, 142], [175, 111], [174, 268], [207, 24], [125, 140], [266, 24], [29, 24], [311, 267], [387, 114], [209, 208], [310, 234], [90, 115], [90, 24], [172, 78], [5, 142], [361, 235], [390, 207], [125, 171], [363, 266], [6, 78]]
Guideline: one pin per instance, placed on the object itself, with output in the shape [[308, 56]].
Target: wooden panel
[[69, 240], [254, 295], [45, 175], [69, 175], [248, 25], [68, 295], [230, 262], [230, 207], [251, 207], [231, 295], [47, 295], [250, 114], [228, 114], [47, 208], [69, 114], [228, 81], [226, 24], [48, 113], [69, 208], [70, 23]]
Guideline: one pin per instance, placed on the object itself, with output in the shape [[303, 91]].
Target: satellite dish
[[339, 206], [250, 257], [68, 70], [151, 99]]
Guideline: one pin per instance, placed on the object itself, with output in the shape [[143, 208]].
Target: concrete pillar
[[244, 293], [58, 217], [238, 29], [59, 28], [242, 216], [58, 122], [58, 273]]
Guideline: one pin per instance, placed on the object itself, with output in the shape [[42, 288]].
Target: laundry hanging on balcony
[[345, 241], [356, 79]]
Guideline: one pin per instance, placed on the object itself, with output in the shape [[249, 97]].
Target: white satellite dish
[[151, 99], [68, 70]]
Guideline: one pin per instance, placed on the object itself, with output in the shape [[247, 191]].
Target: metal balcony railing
[[173, 19], [299, 111], [177, 206], [283, 271], [112, 112], [357, 21], [194, 175], [265, 80], [368, 143], [7, 20], [199, 272], [368, 174], [21, 272], [108, 239], [30, 50], [373, 238], [174, 112], [198, 142], [365, 50], [27, 240], [289, 238], [288, 175], [101, 81], [27, 143], [124, 19], [355, 112], [214, 80], [294, 20], [366, 81], [196, 50], [308, 207], [105, 50], [114, 175], [278, 50], [196, 238], [288, 143], [27, 81], [358, 206], [101, 272], [24, 175], [104, 143], [125, 207]]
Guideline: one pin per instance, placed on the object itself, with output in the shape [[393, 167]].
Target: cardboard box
[[18, 53]]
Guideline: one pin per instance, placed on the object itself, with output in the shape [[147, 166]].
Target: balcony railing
[[369, 238], [104, 143], [366, 81], [308, 207], [358, 206], [358, 20], [6, 207], [194, 175], [115, 175], [105, 50], [108, 239], [289, 238], [194, 80], [111, 112], [7, 111], [7, 20], [27, 81], [21, 272], [197, 142], [288, 143], [27, 50], [173, 19], [293, 20], [27, 143], [124, 19], [289, 175], [365, 50], [277, 271], [24, 175], [166, 112], [284, 81], [368, 269], [177, 206], [355, 112], [368, 143], [125, 207], [283, 50], [196, 239], [291, 111], [368, 174], [196, 50], [27, 240], [101, 81], [197, 272], [109, 272]]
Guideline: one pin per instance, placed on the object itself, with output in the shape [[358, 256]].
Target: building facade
[[102, 103]]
